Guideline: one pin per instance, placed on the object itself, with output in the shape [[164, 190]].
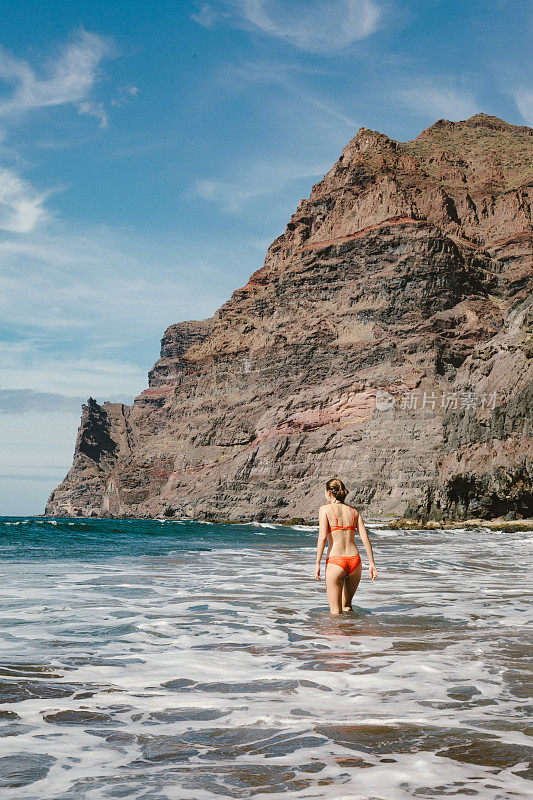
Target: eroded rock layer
[[386, 339]]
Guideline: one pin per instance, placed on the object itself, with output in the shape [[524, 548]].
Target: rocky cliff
[[386, 339]]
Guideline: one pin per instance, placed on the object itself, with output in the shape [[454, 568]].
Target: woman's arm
[[368, 547], [322, 539]]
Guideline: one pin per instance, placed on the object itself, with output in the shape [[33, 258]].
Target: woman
[[337, 524]]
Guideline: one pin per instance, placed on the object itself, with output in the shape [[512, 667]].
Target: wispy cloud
[[236, 76], [256, 180], [124, 94], [524, 102], [288, 76], [36, 453], [319, 26], [96, 110], [319, 126], [85, 309], [439, 100], [21, 205], [38, 428], [314, 25], [99, 111], [207, 16], [27, 401], [69, 78], [26, 364], [100, 280], [37, 442]]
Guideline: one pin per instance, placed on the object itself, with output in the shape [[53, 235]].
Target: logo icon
[[384, 400]]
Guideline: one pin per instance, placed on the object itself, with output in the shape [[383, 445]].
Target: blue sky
[[150, 152]]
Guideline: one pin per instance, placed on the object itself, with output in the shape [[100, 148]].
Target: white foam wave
[[309, 528], [430, 660]]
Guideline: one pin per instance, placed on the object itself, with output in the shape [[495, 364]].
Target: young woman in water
[[337, 524]]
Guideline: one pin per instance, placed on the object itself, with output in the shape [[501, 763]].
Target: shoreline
[[500, 524], [398, 523]]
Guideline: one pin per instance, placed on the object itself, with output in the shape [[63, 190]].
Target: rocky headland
[[387, 339]]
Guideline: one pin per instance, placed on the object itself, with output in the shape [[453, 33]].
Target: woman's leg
[[351, 582], [334, 583]]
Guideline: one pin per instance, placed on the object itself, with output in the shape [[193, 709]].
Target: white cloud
[[21, 205], [68, 79], [96, 110], [28, 401], [37, 442], [28, 365], [256, 180], [125, 93], [97, 282], [318, 26], [314, 25], [36, 454], [85, 310], [329, 111], [207, 16], [320, 127], [524, 103], [439, 101], [237, 76]]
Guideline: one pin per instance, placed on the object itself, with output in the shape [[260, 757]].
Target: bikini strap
[[353, 521]]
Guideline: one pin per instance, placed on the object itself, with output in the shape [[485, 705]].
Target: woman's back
[[344, 517], [337, 525], [342, 529]]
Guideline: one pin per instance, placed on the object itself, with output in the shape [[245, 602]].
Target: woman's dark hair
[[337, 489]]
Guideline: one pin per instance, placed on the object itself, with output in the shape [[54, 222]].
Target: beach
[[181, 660]]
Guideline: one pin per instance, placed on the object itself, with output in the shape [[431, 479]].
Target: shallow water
[[190, 661]]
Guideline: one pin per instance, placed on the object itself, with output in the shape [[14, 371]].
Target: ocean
[[195, 661]]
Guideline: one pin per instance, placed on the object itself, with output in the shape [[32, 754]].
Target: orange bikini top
[[338, 527]]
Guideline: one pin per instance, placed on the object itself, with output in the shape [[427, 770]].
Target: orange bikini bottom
[[348, 563]]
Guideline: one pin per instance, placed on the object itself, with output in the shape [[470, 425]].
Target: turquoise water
[[42, 539], [175, 659]]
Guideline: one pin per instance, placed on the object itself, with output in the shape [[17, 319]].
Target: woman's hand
[[317, 571], [373, 571]]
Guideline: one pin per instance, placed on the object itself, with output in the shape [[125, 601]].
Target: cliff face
[[486, 466], [401, 283]]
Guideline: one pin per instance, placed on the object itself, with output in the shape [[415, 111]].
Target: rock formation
[[486, 467], [386, 339]]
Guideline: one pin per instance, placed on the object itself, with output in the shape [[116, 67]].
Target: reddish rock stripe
[[266, 437], [517, 237], [362, 232]]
